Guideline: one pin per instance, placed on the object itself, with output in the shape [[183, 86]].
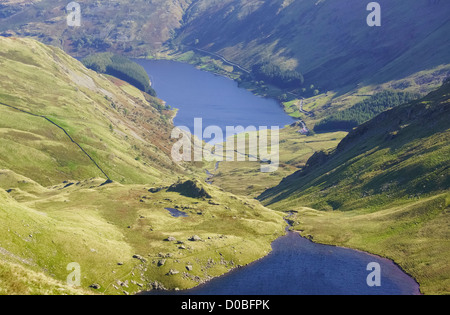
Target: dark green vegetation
[[273, 74], [89, 42], [361, 112], [384, 189], [122, 68]]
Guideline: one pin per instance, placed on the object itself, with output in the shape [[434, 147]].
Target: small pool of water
[[176, 213]]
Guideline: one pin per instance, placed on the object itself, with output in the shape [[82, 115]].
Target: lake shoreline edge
[[367, 253], [288, 229], [223, 74]]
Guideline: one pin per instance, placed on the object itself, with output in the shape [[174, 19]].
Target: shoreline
[[288, 231], [390, 260], [419, 292], [176, 292], [226, 75]]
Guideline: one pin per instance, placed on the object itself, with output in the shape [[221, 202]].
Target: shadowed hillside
[[328, 42], [400, 154], [384, 189]]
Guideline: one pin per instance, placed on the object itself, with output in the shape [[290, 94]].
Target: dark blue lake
[[216, 99], [297, 266]]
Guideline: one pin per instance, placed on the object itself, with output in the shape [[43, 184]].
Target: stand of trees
[[122, 68], [277, 76], [361, 112]]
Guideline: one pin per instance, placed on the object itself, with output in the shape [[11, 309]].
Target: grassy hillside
[[399, 154], [384, 189], [117, 125], [121, 235], [64, 131]]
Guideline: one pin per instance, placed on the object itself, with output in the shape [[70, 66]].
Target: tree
[[275, 75], [122, 68], [364, 111], [283, 97]]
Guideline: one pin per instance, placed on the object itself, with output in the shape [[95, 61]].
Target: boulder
[[140, 258], [154, 190], [190, 188], [195, 238], [157, 286], [172, 272], [161, 262]]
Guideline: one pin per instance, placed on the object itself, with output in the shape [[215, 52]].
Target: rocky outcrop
[[190, 188]]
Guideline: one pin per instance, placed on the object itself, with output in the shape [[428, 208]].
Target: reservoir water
[[296, 265], [215, 99]]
